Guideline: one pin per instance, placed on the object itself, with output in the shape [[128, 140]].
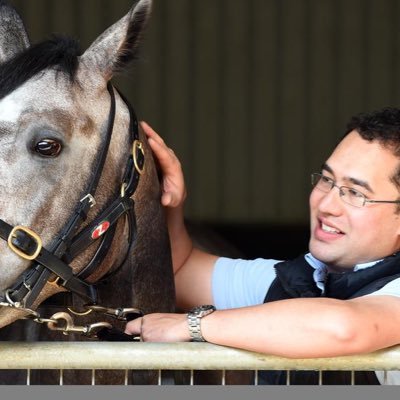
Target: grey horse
[[63, 129]]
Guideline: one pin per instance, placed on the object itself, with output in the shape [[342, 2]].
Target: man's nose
[[330, 202]]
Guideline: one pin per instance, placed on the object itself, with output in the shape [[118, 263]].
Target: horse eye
[[48, 148]]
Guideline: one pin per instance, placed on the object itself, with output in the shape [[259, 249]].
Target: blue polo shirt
[[241, 283]]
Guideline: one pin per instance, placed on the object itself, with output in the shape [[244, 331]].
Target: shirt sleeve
[[390, 289], [241, 283]]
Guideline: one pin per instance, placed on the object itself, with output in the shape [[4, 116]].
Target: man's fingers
[[134, 327], [166, 199], [165, 156], [173, 182], [156, 142], [161, 151], [151, 133]]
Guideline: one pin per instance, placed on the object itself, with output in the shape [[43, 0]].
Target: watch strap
[[194, 317]]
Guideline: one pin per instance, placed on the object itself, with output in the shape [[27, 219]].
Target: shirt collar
[[321, 270], [320, 266]]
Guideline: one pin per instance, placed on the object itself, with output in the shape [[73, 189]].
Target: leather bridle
[[52, 265]]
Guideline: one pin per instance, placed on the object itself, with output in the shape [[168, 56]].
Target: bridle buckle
[[32, 235], [90, 199], [137, 145]]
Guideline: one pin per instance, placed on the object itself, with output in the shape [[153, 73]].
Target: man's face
[[343, 235]]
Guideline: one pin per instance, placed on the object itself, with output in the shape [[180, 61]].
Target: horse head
[[70, 150]]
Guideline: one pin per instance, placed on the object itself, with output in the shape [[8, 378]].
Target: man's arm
[[192, 267], [296, 328], [313, 327]]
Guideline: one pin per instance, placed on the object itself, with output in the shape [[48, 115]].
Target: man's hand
[[192, 267], [160, 328], [173, 185]]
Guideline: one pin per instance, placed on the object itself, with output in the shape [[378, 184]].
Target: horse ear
[[112, 51], [13, 36]]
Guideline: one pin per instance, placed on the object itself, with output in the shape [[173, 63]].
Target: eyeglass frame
[[316, 178]]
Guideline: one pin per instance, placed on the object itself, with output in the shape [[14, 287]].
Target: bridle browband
[[52, 265]]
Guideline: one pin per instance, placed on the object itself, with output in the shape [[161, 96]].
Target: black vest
[[294, 279]]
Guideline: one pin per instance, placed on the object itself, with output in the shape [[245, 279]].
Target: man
[[341, 298]]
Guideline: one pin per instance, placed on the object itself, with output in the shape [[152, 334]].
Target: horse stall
[[92, 238], [180, 363]]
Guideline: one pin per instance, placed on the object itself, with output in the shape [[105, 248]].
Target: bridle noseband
[[52, 265]]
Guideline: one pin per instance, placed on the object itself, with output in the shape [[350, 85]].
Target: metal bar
[[191, 383], [176, 356]]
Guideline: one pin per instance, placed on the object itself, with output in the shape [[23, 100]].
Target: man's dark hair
[[382, 126]]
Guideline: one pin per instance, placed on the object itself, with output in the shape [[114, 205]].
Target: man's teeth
[[329, 229]]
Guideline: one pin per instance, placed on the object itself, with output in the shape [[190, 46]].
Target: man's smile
[[327, 228]]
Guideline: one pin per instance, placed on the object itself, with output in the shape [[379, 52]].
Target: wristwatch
[[194, 317]]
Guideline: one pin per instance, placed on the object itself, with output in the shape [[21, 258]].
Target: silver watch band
[[194, 317], [194, 322]]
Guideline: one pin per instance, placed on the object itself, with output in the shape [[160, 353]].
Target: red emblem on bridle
[[100, 229]]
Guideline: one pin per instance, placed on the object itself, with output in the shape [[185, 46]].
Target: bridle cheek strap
[[27, 246]]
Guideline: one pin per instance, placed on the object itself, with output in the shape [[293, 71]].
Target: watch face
[[202, 310], [206, 308]]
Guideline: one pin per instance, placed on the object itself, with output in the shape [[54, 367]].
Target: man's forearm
[[181, 243], [300, 328], [296, 328]]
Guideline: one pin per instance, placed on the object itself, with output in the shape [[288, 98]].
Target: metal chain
[[121, 314], [62, 321]]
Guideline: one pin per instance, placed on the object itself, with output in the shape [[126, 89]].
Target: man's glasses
[[347, 194]]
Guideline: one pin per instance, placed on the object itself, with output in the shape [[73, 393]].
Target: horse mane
[[59, 51]]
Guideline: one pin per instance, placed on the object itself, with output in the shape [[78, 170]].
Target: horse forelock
[[59, 52]]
